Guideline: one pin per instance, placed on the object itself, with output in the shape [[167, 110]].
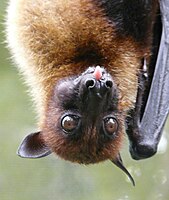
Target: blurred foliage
[[52, 178]]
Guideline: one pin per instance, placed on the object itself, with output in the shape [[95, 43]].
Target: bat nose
[[91, 83], [98, 87]]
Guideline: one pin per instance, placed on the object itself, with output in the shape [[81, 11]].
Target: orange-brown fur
[[48, 38]]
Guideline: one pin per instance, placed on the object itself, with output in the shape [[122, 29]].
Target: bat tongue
[[97, 73], [119, 163]]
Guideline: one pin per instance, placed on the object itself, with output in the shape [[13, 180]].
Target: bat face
[[82, 123]]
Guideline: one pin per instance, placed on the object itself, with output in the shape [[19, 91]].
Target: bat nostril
[[109, 84], [90, 83]]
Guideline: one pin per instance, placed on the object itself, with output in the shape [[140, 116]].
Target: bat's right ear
[[33, 146]]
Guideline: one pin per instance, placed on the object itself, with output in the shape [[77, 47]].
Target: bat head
[[82, 122]]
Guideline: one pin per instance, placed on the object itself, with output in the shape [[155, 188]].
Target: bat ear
[[33, 146], [119, 163]]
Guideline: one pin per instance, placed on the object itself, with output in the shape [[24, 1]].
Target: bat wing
[[145, 127]]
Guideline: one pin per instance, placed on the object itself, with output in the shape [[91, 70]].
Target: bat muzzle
[[96, 82], [98, 87]]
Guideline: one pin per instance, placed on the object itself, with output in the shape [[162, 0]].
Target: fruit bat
[[90, 66]]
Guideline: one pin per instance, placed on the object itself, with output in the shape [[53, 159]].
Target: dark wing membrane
[[145, 126]]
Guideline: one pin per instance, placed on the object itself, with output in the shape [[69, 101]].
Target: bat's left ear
[[33, 146]]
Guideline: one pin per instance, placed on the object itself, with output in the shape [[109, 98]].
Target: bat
[[89, 66]]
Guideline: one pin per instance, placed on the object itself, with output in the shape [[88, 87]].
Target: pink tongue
[[97, 73]]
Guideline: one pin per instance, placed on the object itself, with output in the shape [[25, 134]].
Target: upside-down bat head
[[82, 122]]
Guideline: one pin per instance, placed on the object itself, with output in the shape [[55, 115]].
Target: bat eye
[[110, 126], [69, 123]]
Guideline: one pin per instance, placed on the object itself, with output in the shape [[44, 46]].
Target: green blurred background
[[51, 178]]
